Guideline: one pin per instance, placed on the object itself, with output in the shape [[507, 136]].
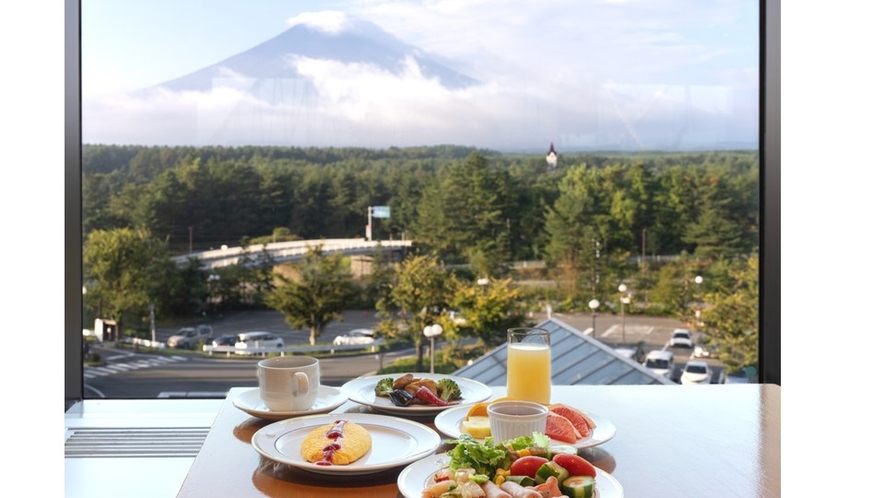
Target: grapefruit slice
[[582, 423], [559, 428]]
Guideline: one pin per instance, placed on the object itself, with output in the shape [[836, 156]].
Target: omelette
[[339, 443]]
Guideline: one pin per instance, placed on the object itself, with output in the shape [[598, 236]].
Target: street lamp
[[432, 331], [625, 299], [593, 305], [697, 313]]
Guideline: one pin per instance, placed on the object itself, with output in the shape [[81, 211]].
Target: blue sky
[[639, 73]]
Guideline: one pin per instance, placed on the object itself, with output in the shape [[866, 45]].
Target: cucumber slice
[[578, 486], [521, 480], [548, 469]]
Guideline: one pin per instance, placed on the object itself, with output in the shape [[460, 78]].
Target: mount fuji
[[355, 42]]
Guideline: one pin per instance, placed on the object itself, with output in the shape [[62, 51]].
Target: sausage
[[403, 381], [493, 491], [517, 491]]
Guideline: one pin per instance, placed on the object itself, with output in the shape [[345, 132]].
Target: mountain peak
[[332, 22], [325, 36]]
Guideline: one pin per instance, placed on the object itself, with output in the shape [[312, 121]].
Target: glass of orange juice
[[528, 364]]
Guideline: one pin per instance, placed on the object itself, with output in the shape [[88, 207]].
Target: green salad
[[485, 455]]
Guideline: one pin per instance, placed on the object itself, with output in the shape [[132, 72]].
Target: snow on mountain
[[353, 42]]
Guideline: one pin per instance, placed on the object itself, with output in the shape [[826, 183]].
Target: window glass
[[542, 155]]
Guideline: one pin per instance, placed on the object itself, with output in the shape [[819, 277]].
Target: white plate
[[395, 442], [362, 390], [328, 399], [449, 423], [414, 478]]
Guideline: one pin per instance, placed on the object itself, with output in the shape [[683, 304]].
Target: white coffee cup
[[289, 383], [510, 419]]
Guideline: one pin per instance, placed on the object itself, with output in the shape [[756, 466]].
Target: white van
[[661, 363], [248, 340]]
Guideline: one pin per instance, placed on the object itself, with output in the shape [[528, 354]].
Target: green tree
[[675, 288], [569, 224], [180, 291], [462, 214], [714, 232], [317, 295], [731, 319], [419, 295], [122, 267], [488, 310]]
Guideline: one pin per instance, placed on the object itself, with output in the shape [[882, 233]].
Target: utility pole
[[644, 272], [596, 269], [153, 327], [369, 226]]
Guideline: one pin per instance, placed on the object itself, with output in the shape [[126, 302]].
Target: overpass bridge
[[291, 251]]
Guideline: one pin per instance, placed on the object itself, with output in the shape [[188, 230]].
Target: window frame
[[769, 209]]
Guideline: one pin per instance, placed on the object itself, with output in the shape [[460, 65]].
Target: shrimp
[[438, 489]]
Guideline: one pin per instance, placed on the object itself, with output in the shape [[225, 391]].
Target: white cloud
[[591, 74]]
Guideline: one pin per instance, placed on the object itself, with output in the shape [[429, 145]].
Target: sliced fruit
[[561, 429], [479, 409], [581, 421], [477, 426]]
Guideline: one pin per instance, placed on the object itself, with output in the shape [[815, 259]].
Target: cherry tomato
[[527, 465], [575, 465]]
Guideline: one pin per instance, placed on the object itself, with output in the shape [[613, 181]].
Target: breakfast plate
[[328, 399], [449, 421], [362, 390], [414, 478], [395, 442]]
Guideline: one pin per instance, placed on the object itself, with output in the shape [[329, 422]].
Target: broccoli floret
[[448, 389], [384, 387]]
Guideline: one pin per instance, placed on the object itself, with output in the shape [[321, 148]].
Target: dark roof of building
[[577, 358]]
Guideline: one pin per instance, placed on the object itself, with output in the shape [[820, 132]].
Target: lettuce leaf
[[485, 456]]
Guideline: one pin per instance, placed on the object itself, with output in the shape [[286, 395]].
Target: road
[[130, 374], [133, 374], [273, 321]]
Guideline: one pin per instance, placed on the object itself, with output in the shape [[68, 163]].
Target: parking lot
[[648, 332]]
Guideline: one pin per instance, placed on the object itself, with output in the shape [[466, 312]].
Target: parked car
[[636, 353], [743, 376], [355, 337], [257, 339], [190, 337], [701, 349], [681, 337], [661, 363], [225, 340], [696, 372]]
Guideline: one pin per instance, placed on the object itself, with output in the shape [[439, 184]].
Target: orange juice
[[528, 372]]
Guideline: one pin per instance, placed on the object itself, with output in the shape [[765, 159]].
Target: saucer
[[327, 400]]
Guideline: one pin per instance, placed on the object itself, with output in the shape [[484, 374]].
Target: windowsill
[[112, 446]]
